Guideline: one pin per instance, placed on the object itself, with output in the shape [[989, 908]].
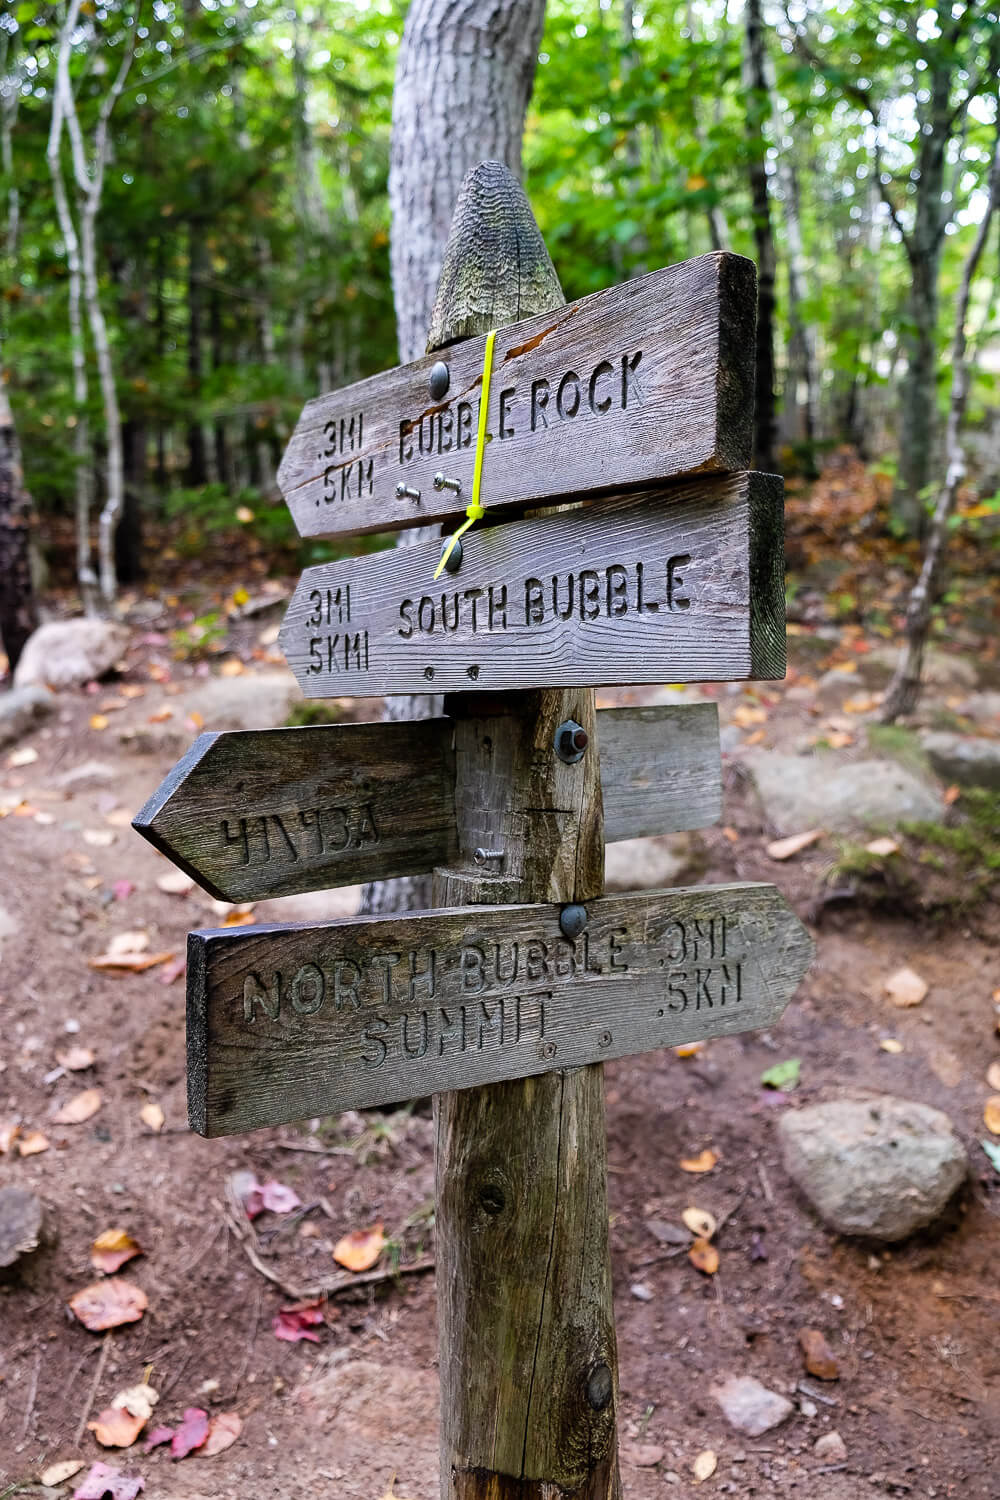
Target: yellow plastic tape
[[474, 511]]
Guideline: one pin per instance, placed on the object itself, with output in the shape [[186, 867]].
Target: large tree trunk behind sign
[[463, 81], [18, 615]]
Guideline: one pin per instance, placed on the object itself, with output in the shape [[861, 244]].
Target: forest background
[[196, 234]]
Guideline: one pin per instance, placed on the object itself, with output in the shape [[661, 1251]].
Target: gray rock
[[969, 760], [646, 864], [68, 653], [880, 1167], [21, 709], [940, 668], [254, 700], [814, 791], [87, 771], [20, 1225], [749, 1406], [831, 1448], [983, 708]]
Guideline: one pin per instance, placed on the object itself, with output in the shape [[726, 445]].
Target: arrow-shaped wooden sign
[[622, 591], [630, 386], [257, 813], [289, 1022]]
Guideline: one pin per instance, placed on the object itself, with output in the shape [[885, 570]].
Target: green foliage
[[313, 711], [203, 637]]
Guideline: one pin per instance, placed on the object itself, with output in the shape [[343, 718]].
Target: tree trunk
[[18, 608], [526, 1328], [755, 74], [463, 81], [197, 466], [128, 533]]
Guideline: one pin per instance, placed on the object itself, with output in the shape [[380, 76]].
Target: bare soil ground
[[916, 1329]]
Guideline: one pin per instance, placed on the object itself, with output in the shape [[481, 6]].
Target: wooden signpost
[[504, 1000]]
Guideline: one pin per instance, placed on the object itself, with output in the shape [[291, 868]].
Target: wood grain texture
[[286, 1022], [630, 386], [252, 814], [687, 592]]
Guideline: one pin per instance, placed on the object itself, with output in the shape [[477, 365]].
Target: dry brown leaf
[[700, 1222], [136, 941], [33, 1143], [109, 1304], [703, 1162], [757, 738], [839, 739], [890, 1044], [905, 988], [732, 834], [116, 1427], [785, 848], [704, 1256], [75, 1059], [161, 715], [689, 1049], [175, 883], [99, 721], [952, 795], [991, 1114], [9, 1131], [993, 1076], [704, 1465], [883, 847], [239, 919], [747, 714], [861, 703], [152, 1116], [112, 705], [58, 1473], [26, 757], [232, 667], [98, 838], [133, 963], [112, 1249], [223, 1430], [359, 1250], [79, 1108]]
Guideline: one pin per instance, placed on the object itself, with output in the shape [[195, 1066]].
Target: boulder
[[941, 669], [646, 864], [880, 1167], [815, 791], [749, 1406], [21, 709], [969, 760], [68, 653], [254, 700]]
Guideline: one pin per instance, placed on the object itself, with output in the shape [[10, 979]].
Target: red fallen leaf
[[172, 970], [156, 1437], [191, 1433], [223, 1430], [105, 1483], [271, 1195], [122, 888], [112, 1249], [292, 1324], [109, 1304]]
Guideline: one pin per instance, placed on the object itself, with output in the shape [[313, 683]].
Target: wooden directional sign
[[630, 386], [622, 591], [289, 1022], [257, 813]]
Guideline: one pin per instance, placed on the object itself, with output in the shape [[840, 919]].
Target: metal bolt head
[[454, 559], [571, 741], [440, 379], [572, 921]]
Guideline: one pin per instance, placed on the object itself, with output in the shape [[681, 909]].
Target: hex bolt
[[572, 921], [406, 492], [571, 741], [441, 482], [440, 379], [454, 559]]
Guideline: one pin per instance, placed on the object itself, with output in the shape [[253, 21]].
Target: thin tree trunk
[[904, 689], [18, 607], [197, 466], [459, 60], [757, 108]]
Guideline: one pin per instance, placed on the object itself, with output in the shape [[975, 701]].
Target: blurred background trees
[[240, 233]]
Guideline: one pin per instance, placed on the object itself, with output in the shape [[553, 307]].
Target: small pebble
[[641, 1291], [831, 1448]]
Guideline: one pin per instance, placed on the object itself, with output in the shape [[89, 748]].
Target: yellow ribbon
[[474, 511]]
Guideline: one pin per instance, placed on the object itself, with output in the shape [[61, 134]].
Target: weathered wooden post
[[505, 999]]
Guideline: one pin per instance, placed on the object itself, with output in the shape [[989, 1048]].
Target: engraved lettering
[[604, 404], [471, 968], [346, 980], [675, 581], [255, 993], [308, 990], [630, 381], [374, 1033], [539, 401], [568, 406], [506, 397], [534, 605]]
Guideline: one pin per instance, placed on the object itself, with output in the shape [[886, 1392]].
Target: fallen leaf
[[745, 715], [161, 715], [883, 847], [239, 919], [271, 1195], [292, 1324], [783, 1076], [172, 970], [993, 1076], [116, 1427], [58, 1473], [33, 1143], [122, 889], [359, 1250], [105, 1483], [195, 720], [109, 1304], [819, 1358], [223, 1430], [132, 690], [890, 1044], [232, 667], [991, 1114], [175, 883], [839, 739], [689, 1049], [861, 703], [152, 1116], [703, 1162], [732, 834], [704, 1465], [192, 1432], [704, 1256], [79, 1108], [134, 963], [75, 1059], [158, 1436], [700, 1222], [26, 757], [134, 941], [905, 988], [112, 705], [112, 1249], [99, 721], [951, 795], [9, 1131], [757, 738], [785, 848], [99, 838], [269, 636], [119, 817]]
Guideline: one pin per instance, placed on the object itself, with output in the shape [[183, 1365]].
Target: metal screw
[[571, 741], [487, 856], [572, 921], [440, 379], [406, 492], [442, 483], [605, 1039], [547, 1049], [600, 1387], [454, 559]]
